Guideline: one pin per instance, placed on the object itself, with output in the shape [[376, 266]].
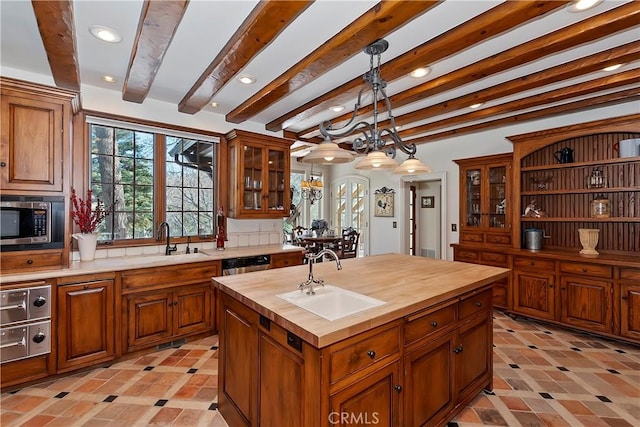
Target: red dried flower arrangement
[[84, 215]]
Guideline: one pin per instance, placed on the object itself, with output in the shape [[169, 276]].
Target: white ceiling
[[208, 25]]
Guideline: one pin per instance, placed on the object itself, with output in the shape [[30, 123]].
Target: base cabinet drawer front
[[467, 237], [630, 310], [152, 278], [586, 269], [524, 263], [586, 303], [373, 400], [22, 261], [630, 274], [475, 303], [466, 255], [421, 325], [86, 330], [495, 259], [286, 259], [359, 354], [534, 294]]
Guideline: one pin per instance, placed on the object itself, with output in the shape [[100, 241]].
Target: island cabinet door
[[428, 382], [472, 356], [373, 400], [238, 380]]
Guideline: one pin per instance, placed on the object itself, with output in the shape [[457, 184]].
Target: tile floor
[[544, 376]]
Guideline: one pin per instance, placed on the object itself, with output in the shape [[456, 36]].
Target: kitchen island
[[417, 359]]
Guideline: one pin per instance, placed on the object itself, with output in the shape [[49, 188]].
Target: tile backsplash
[[240, 233]]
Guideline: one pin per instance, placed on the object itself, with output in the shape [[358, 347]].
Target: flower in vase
[[85, 214]]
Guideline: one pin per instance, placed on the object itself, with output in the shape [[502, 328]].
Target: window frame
[[81, 177]]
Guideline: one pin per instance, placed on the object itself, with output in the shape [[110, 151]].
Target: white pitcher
[[86, 245]]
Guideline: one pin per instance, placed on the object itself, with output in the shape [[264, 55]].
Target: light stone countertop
[[407, 284], [105, 265]]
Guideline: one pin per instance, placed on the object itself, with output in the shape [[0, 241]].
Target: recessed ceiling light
[[105, 33], [479, 104], [109, 79], [214, 104], [420, 72], [612, 67], [246, 79], [337, 108], [582, 5]]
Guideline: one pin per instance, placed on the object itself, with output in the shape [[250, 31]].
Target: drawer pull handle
[[584, 270], [29, 261], [624, 297], [478, 304], [434, 324], [14, 344], [20, 306], [551, 285], [532, 263], [458, 349], [371, 354], [398, 388]]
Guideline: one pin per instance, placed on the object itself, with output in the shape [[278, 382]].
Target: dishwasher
[[231, 266]]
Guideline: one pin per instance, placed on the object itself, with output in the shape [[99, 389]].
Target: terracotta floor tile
[[553, 420], [111, 411], [165, 416], [198, 379], [188, 418], [132, 413], [170, 361], [78, 409], [575, 407], [617, 422], [186, 392], [58, 407], [37, 421], [468, 415], [592, 421], [28, 403], [91, 385], [206, 394], [515, 403], [528, 419], [490, 417]]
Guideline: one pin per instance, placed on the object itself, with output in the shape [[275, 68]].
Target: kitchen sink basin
[[331, 302]]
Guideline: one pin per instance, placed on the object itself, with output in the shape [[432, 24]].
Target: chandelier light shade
[[379, 143], [376, 160], [328, 152], [412, 166]]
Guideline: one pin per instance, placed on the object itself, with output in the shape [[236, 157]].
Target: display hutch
[[259, 169]]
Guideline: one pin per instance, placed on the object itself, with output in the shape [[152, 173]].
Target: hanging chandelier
[[311, 190], [380, 144]]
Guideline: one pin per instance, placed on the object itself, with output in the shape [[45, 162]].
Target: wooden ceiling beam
[[379, 21], [623, 96], [158, 23], [267, 20], [588, 30], [56, 26], [631, 77], [495, 21]]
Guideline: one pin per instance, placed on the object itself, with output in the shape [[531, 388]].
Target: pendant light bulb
[[329, 158]]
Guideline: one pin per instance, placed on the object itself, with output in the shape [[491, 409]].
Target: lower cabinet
[[163, 315], [586, 303], [630, 303], [409, 372], [86, 322], [534, 287]]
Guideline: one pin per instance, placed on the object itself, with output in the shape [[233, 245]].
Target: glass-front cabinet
[[258, 175], [484, 199]]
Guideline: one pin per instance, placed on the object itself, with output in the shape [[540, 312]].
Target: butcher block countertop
[[120, 263], [406, 284]]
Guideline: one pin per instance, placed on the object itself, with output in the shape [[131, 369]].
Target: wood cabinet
[[162, 304], [412, 371], [86, 321], [630, 303], [501, 288], [485, 198], [35, 137], [534, 287], [286, 259], [259, 170]]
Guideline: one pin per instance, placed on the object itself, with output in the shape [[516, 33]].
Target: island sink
[[331, 302]]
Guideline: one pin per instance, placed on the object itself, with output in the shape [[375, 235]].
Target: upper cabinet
[[35, 137], [259, 169], [485, 188], [580, 178]]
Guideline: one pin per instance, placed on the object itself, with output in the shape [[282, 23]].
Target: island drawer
[[523, 263], [353, 355], [422, 324], [475, 303], [588, 269]]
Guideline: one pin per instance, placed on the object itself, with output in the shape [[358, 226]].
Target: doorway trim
[[434, 176]]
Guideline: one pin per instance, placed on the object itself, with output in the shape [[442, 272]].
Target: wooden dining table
[[316, 244]]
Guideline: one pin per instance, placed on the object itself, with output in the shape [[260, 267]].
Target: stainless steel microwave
[[31, 222]]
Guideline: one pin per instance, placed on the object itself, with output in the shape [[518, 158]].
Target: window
[[151, 177]]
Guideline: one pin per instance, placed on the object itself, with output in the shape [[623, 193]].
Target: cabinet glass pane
[[474, 200], [252, 177], [497, 197], [276, 180]]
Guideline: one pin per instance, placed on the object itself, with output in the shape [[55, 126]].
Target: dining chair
[[348, 247]]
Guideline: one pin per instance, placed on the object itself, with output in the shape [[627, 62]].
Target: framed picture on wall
[[383, 202], [428, 201]]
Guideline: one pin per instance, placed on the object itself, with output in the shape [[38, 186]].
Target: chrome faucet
[[311, 259], [169, 248]]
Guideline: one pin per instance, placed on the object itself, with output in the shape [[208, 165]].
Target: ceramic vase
[[589, 241], [86, 245]]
